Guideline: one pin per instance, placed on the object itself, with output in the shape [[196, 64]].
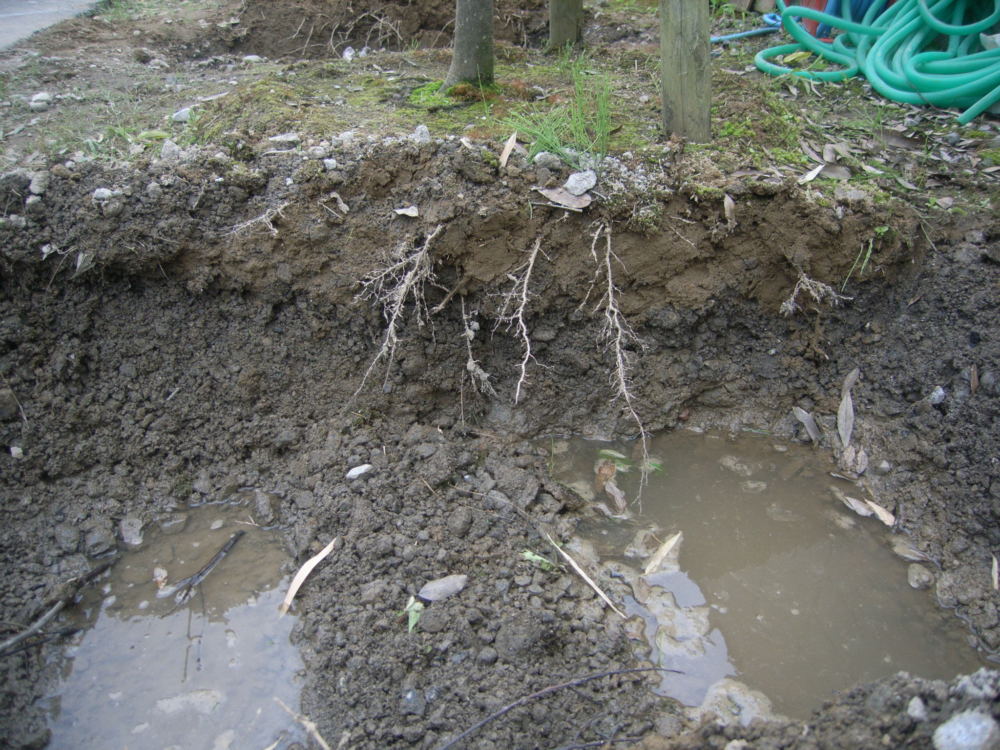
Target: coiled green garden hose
[[913, 52]]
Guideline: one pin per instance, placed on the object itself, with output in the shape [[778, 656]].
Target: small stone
[[937, 395], [883, 467], [40, 101], [421, 135], [170, 151], [102, 194], [329, 164], [285, 138], [919, 577], [16, 452], [303, 499], [265, 507], [252, 58], [968, 730], [579, 183], [359, 471], [460, 522], [413, 702], [181, 115], [916, 709], [317, 152], [131, 531], [153, 190], [442, 588], [39, 182], [488, 655], [98, 541], [547, 160]]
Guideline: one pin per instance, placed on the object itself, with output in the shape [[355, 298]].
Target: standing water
[[154, 668], [773, 580]]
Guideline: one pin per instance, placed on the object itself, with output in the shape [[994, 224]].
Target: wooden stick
[[545, 691], [583, 575]]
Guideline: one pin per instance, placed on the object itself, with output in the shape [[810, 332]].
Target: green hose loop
[[907, 51]]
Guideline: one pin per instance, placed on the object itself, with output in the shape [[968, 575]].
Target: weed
[[577, 132], [865, 251], [542, 562]]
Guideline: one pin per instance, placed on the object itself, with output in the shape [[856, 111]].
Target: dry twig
[[403, 277], [515, 302], [307, 724], [546, 691]]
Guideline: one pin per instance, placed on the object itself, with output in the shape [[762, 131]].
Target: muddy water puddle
[[770, 581], [163, 665]]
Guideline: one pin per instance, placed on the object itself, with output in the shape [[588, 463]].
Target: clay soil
[[179, 324]]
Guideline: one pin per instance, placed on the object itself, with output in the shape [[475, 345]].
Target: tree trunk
[[565, 22], [472, 58], [685, 69]]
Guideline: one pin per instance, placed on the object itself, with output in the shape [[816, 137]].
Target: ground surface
[[180, 319]]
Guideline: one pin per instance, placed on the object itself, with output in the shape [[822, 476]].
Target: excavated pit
[[165, 347]]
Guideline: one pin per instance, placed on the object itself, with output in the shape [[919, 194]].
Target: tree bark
[[472, 58], [685, 69], [565, 22]]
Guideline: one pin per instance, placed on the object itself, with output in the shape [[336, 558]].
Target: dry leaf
[[829, 153], [845, 419], [849, 381], [811, 175], [729, 208], [973, 379], [996, 573], [809, 423], [410, 211], [858, 506], [906, 550], [507, 149], [881, 513], [562, 198], [657, 558], [303, 573], [836, 172], [616, 494]]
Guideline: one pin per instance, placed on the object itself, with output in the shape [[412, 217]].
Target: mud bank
[[180, 329]]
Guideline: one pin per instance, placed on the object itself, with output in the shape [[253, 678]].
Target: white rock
[[131, 530], [579, 183], [170, 151], [348, 53], [919, 577], [547, 160], [421, 134], [102, 194], [39, 182], [359, 471], [252, 58], [916, 709], [290, 138], [181, 115], [442, 588], [16, 452], [40, 102], [968, 730], [329, 164]]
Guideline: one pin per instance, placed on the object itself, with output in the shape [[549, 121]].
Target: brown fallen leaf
[[657, 558], [616, 494], [995, 574], [507, 149], [562, 198]]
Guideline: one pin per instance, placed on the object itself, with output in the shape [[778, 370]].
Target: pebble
[[252, 58], [181, 115], [329, 164], [421, 135], [359, 471], [916, 709], [547, 160], [487, 655], [579, 183], [102, 194], [317, 152], [413, 702], [39, 182], [131, 531], [968, 730], [442, 588], [170, 151], [919, 577], [67, 537], [98, 541], [40, 101]]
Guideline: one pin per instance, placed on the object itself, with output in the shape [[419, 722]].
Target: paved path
[[22, 18]]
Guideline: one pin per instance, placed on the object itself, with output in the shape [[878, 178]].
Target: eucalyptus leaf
[[809, 423], [845, 419]]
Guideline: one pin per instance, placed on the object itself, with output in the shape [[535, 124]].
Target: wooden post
[[685, 69]]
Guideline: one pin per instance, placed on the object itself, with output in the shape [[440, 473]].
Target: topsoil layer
[[181, 327]]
